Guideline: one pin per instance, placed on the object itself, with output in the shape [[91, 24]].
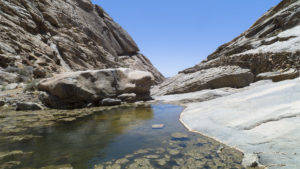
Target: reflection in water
[[101, 139], [78, 142]]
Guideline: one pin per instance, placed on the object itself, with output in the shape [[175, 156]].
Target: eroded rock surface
[[270, 44], [225, 76], [264, 119], [279, 76], [38, 38], [77, 89]]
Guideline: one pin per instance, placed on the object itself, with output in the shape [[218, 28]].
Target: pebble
[[158, 126]]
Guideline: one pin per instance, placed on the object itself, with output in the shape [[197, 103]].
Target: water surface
[[124, 138]]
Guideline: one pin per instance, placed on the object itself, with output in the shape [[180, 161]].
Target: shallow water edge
[[114, 138]]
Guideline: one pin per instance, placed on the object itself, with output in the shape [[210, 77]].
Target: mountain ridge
[[43, 37], [271, 44]]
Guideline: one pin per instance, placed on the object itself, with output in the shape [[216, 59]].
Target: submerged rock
[[141, 151], [180, 136], [76, 89], [114, 166], [141, 163], [122, 161], [65, 166], [173, 151], [162, 161], [12, 159]]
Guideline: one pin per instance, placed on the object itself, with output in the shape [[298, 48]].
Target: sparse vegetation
[[31, 86]]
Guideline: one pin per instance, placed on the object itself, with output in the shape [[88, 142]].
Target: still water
[[124, 138]]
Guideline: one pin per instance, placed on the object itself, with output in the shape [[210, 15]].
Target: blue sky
[[177, 34]]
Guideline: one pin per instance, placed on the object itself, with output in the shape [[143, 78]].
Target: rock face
[[271, 44], [38, 38], [224, 76], [279, 76], [264, 119], [77, 89]]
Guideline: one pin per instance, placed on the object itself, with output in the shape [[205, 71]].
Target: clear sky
[[177, 34]]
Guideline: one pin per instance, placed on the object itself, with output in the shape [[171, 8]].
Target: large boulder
[[77, 89], [224, 76]]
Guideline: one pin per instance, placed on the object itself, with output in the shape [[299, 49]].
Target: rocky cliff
[[42, 37], [271, 44]]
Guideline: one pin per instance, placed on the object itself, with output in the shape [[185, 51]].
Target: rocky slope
[[42, 37], [271, 44]]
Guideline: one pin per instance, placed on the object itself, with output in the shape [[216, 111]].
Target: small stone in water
[[141, 151], [66, 166], [173, 151], [99, 167], [158, 126], [152, 156], [122, 161], [161, 162], [180, 136], [115, 166]]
